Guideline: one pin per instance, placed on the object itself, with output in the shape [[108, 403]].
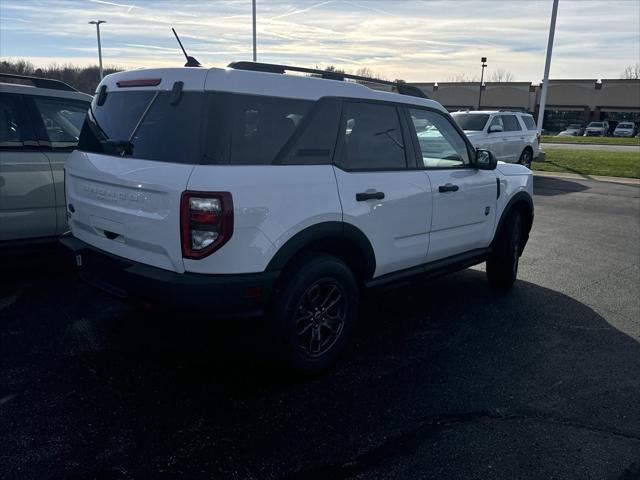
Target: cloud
[[414, 40]]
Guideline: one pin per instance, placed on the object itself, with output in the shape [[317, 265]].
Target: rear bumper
[[241, 295]]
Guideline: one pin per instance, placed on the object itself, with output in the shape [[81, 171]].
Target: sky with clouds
[[414, 40]]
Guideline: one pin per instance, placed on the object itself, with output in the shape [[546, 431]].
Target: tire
[[525, 158], [502, 264], [314, 313]]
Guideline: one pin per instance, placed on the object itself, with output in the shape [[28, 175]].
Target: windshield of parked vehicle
[[574, 127], [595, 124], [625, 125], [471, 121]]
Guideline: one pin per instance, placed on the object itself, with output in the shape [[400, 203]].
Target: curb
[[596, 178]]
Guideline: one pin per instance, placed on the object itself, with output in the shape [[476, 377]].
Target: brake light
[[139, 82], [206, 222], [538, 137]]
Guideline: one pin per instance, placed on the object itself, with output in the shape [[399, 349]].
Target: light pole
[[483, 60], [97, 24], [547, 65], [255, 50]]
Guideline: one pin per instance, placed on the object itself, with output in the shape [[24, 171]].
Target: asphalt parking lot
[[447, 379]]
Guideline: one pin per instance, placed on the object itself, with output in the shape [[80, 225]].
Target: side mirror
[[495, 128], [485, 160]]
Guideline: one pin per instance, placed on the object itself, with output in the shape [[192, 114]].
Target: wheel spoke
[[320, 317]]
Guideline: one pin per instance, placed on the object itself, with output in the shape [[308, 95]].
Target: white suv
[[510, 136], [245, 190]]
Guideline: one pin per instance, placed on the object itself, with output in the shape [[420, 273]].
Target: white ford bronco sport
[[246, 190]]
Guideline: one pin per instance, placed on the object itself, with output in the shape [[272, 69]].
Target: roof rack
[[514, 110], [402, 88], [41, 82]]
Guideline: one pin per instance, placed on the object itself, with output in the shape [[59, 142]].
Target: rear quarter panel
[[271, 204]]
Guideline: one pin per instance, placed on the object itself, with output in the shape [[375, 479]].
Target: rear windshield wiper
[[118, 147], [125, 147]]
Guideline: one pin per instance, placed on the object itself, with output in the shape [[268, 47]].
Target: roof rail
[[402, 88], [41, 82], [514, 110]]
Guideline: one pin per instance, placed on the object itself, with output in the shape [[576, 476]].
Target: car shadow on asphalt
[[439, 371], [552, 186]]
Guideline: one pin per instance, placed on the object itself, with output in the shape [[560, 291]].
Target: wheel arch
[[523, 202], [340, 239]]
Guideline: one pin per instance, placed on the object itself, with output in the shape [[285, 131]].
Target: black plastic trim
[[402, 88], [433, 269], [216, 295], [322, 231], [518, 197]]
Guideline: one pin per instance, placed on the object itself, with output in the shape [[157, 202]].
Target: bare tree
[[85, 79], [500, 75], [632, 72]]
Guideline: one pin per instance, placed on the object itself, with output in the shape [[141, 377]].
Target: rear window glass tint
[[315, 140], [530, 124], [168, 133], [261, 126]]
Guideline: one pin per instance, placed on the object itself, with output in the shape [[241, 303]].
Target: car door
[[515, 138], [57, 123], [496, 141], [464, 197], [27, 198], [386, 198]]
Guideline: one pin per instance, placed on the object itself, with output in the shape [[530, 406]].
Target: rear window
[[528, 122], [625, 125], [208, 128], [471, 121], [595, 124], [168, 132]]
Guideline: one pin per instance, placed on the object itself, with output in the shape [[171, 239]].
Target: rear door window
[[511, 123], [62, 120], [371, 138]]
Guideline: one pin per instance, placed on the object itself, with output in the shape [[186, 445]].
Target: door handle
[[364, 196], [449, 187]]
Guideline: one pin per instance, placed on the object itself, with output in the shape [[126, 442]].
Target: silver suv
[[511, 136], [39, 126]]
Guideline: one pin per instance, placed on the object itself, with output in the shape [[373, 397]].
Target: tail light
[[206, 222], [538, 137]]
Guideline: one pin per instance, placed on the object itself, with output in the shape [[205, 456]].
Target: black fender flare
[[518, 197], [321, 231]]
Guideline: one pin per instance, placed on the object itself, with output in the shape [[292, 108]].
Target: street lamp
[[97, 24], [255, 49], [483, 60]]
